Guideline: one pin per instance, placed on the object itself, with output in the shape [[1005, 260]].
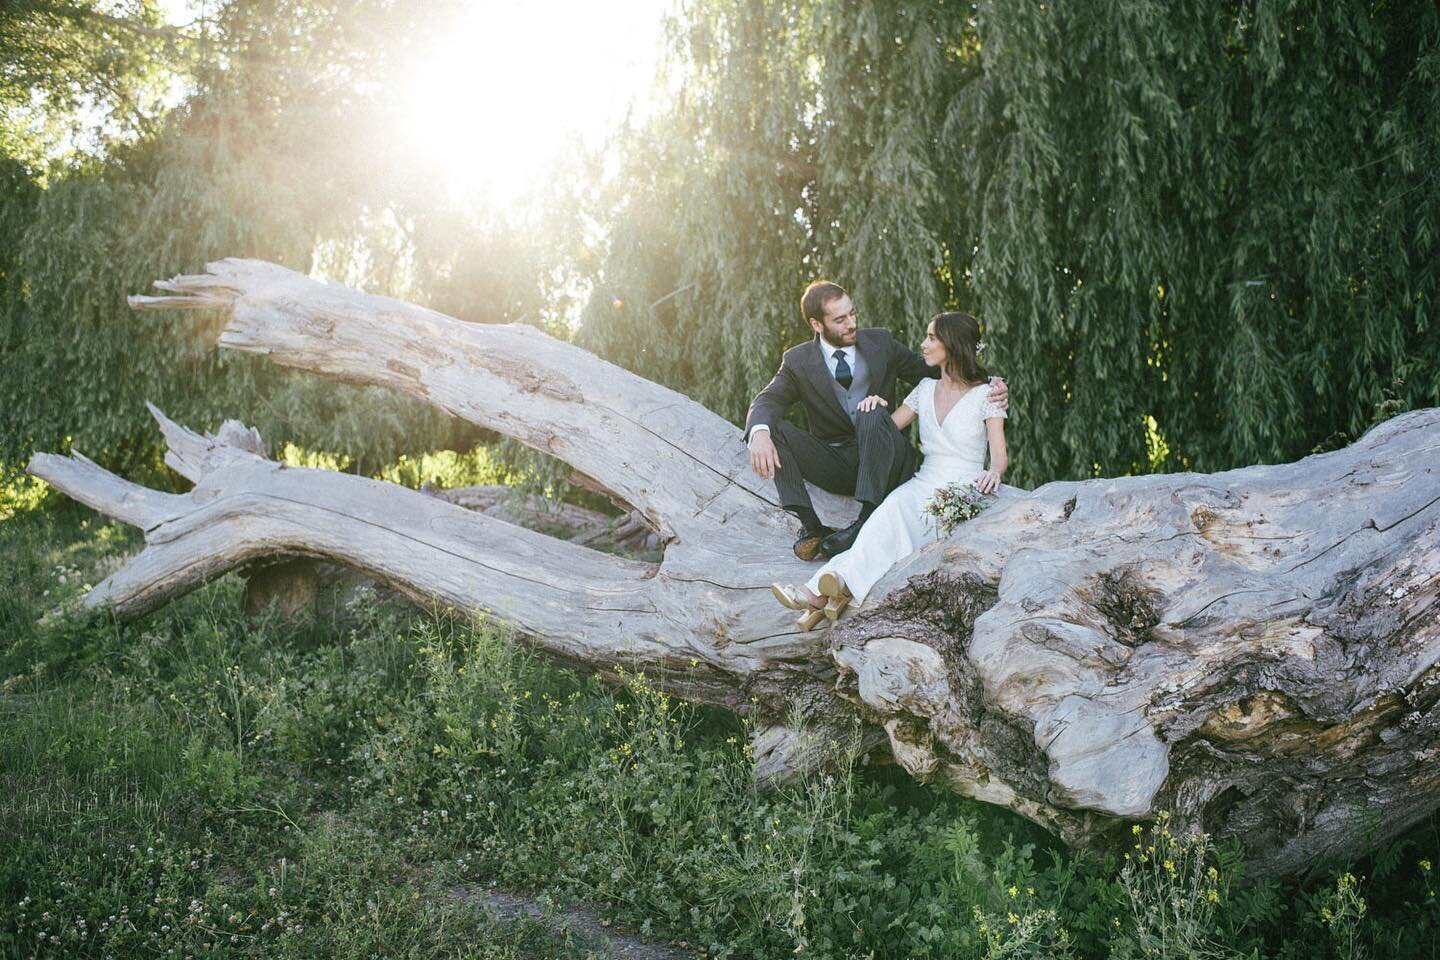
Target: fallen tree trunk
[[579, 524], [1254, 651]]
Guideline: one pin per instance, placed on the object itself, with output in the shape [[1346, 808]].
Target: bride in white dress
[[957, 420]]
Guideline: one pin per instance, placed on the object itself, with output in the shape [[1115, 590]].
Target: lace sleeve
[[913, 400], [991, 409]]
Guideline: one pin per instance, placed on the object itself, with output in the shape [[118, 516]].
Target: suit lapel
[[820, 376], [874, 361]]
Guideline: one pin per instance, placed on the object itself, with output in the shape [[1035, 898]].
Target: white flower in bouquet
[[955, 503]]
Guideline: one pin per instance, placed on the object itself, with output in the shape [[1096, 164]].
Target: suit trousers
[[876, 462]]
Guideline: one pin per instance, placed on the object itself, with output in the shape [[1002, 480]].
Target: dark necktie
[[842, 370]]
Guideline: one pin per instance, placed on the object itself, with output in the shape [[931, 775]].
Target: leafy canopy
[[1196, 236]]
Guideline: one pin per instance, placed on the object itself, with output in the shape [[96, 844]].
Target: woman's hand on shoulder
[[988, 482], [870, 403]]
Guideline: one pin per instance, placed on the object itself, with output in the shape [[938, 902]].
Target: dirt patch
[[579, 923]]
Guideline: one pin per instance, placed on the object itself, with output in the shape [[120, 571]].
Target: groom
[[858, 454]]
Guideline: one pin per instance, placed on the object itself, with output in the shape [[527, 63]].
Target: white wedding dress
[[954, 452]]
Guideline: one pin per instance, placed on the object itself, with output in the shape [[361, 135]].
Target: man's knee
[[877, 428], [876, 420]]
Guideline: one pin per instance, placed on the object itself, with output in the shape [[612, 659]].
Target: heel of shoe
[[832, 586], [810, 618], [835, 607]]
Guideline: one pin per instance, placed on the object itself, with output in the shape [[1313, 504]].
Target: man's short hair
[[819, 293]]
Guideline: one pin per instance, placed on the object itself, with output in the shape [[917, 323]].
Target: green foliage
[[322, 788], [65, 59], [1196, 237], [1342, 912], [172, 787], [1172, 891], [1221, 209]]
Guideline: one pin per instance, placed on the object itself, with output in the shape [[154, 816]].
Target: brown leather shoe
[[808, 546]]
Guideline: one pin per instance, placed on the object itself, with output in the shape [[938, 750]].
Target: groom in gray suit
[[847, 452]]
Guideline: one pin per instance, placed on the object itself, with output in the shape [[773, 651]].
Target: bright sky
[[516, 82]]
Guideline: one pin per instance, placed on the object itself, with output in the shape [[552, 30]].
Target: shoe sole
[[785, 600], [809, 548]]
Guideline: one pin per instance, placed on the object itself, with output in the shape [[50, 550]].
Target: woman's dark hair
[[958, 333]]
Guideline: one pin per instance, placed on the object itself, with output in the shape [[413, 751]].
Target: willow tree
[[1221, 216], [280, 150], [1197, 236]]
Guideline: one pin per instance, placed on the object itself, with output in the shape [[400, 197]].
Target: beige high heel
[[810, 618], [837, 595], [791, 597]]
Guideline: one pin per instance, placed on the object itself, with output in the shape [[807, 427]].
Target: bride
[[956, 420]]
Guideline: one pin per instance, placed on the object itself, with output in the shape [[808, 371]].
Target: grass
[[193, 784]]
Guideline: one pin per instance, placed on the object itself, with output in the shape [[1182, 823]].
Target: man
[[856, 454]]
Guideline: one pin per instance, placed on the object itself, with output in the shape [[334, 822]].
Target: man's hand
[[871, 402], [763, 457], [999, 393], [987, 482]]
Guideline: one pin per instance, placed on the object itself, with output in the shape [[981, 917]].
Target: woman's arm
[[989, 480]]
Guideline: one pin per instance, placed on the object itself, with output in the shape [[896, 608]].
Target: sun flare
[[514, 85]]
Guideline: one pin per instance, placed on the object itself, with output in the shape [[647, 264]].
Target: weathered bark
[[1253, 650], [580, 525]]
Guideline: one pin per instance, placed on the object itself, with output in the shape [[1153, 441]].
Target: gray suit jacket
[[804, 377]]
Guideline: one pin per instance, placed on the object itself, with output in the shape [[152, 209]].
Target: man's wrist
[[758, 428]]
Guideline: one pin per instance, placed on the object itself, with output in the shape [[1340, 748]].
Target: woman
[[956, 420]]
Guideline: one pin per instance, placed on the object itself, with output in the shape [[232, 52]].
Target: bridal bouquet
[[955, 503]]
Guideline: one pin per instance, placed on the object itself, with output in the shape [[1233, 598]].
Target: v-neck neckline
[[935, 415]]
